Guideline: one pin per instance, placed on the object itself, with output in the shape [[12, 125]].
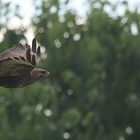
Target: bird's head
[[38, 73]]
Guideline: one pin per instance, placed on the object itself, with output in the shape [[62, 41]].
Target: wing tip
[[34, 45]]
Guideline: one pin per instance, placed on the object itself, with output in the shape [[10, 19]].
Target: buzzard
[[18, 66]]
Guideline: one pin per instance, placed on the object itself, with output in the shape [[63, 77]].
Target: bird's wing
[[15, 68], [23, 53]]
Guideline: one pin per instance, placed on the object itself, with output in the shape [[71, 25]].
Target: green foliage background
[[93, 92]]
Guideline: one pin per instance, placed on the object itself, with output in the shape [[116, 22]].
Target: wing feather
[[34, 45], [23, 53]]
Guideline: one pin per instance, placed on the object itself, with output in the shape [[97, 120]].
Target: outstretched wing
[[23, 53]]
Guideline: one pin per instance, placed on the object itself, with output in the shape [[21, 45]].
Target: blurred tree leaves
[[71, 118], [93, 90]]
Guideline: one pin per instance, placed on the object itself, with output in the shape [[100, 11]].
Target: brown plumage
[[18, 66]]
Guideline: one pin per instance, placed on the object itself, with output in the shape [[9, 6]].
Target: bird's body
[[15, 73], [18, 66]]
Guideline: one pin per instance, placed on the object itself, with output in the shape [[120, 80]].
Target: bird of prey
[[18, 66]]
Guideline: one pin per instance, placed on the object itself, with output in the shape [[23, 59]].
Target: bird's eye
[[43, 72]]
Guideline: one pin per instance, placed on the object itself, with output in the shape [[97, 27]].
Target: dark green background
[[93, 92]]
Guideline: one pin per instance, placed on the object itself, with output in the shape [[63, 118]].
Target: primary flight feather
[[18, 66]]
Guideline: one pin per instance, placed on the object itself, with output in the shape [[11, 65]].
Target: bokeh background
[[92, 51]]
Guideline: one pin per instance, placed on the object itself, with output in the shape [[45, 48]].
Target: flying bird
[[18, 66]]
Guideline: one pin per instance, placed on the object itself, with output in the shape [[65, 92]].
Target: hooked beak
[[46, 74]]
